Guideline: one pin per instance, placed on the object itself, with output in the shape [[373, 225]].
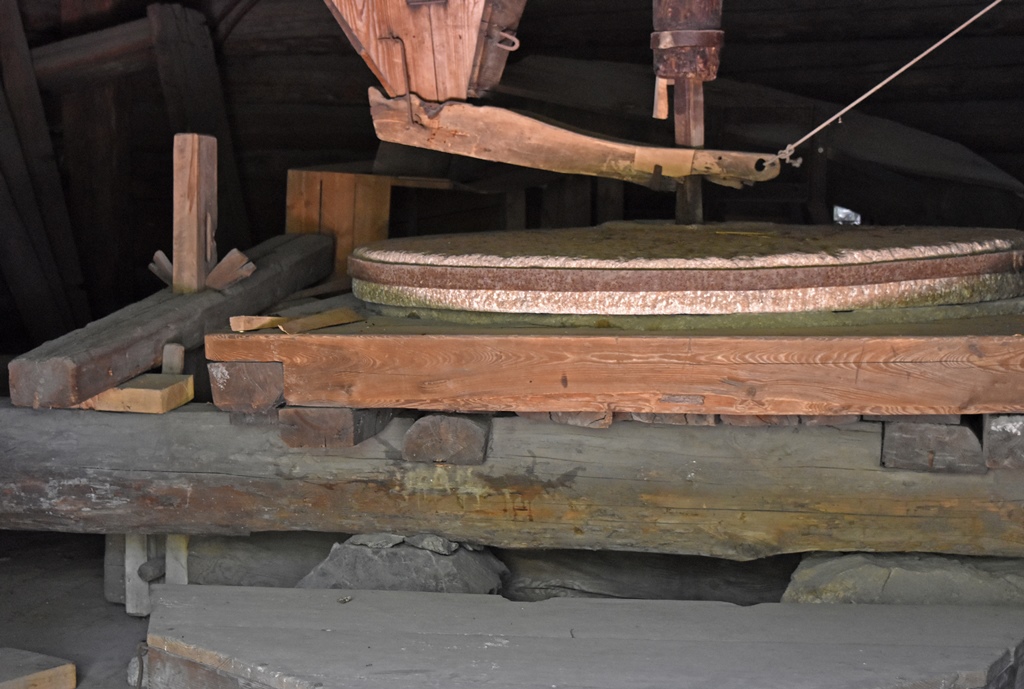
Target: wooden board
[[150, 393], [127, 343], [738, 493], [970, 366], [286, 638], [26, 670]]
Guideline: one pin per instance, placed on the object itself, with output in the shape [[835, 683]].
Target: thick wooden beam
[[26, 105], [26, 670], [970, 366], [110, 351], [739, 493]]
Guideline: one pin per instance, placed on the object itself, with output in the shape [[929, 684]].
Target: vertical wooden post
[[195, 211], [176, 559], [686, 41], [136, 590]]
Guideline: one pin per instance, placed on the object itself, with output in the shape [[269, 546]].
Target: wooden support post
[[688, 99], [190, 80], [932, 447], [176, 558], [195, 211], [136, 589], [26, 104], [447, 439]]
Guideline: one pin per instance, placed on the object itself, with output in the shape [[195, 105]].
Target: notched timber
[[125, 344], [503, 136]]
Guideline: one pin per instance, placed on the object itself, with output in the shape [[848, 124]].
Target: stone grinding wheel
[[629, 268]]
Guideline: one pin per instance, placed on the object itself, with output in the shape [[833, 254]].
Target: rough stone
[[907, 579], [433, 543], [376, 540], [406, 568]]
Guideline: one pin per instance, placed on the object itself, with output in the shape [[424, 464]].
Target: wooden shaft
[[688, 104]]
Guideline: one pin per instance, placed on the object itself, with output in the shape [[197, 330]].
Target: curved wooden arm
[[504, 136]]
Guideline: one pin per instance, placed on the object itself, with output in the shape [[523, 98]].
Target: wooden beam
[[447, 439], [127, 343], [739, 493], [503, 136], [247, 387], [190, 79], [150, 393], [30, 121], [93, 58], [969, 366], [195, 211], [330, 427], [39, 261]]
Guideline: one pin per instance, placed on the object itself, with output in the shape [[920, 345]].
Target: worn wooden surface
[[968, 366], [447, 439], [26, 670], [475, 131], [739, 493], [334, 428], [289, 637], [932, 447], [127, 343], [93, 58], [247, 387]]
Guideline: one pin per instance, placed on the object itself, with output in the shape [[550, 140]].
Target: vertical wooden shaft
[[688, 105], [195, 211]]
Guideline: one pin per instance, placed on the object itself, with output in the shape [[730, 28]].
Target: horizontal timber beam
[[739, 493], [970, 366]]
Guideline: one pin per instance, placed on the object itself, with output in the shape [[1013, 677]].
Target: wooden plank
[[30, 121], [176, 553], [93, 58], [190, 80], [150, 393], [471, 130], [956, 367], [447, 439], [330, 428], [739, 493], [27, 670], [195, 211], [276, 636], [129, 342], [247, 387], [318, 321], [241, 324]]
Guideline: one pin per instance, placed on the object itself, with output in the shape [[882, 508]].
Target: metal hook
[[405, 69]]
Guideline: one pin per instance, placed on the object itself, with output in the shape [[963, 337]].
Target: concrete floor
[[51, 602]]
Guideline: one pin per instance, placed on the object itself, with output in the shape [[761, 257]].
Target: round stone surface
[[629, 268]]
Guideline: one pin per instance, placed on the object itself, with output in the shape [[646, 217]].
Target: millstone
[[659, 269]]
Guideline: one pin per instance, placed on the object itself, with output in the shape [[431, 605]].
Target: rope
[[787, 153]]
